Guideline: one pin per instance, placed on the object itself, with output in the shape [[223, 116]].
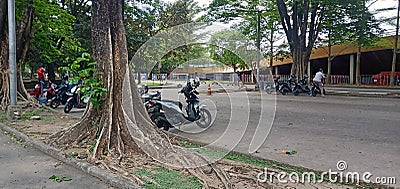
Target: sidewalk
[[27, 167], [31, 167]]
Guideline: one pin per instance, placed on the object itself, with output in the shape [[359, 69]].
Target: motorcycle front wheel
[[68, 107], [205, 118], [314, 92]]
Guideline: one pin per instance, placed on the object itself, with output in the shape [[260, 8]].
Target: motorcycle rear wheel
[[55, 103], [205, 118], [296, 92]]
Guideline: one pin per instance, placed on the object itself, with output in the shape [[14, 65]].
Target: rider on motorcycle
[[318, 80]]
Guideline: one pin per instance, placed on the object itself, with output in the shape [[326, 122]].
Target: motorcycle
[[302, 87], [146, 95], [36, 91], [285, 88], [167, 113], [273, 86], [48, 93], [61, 96], [316, 90], [75, 100]]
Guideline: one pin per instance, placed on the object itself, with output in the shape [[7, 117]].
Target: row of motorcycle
[[294, 86], [166, 114], [64, 93]]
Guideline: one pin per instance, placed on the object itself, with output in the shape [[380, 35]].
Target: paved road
[[29, 168], [362, 131], [323, 130]]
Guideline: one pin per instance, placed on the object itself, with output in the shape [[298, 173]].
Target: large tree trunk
[[121, 126], [4, 71], [304, 22], [24, 34], [358, 68]]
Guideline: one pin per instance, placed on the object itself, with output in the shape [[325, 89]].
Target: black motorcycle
[[167, 113], [302, 87], [285, 87], [273, 86], [61, 96], [316, 90]]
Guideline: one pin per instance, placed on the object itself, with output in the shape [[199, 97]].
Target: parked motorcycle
[[146, 95], [285, 88], [167, 113], [302, 87], [61, 96], [75, 99], [316, 90], [273, 86]]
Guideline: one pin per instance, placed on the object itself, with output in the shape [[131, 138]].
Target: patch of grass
[[166, 179], [28, 114], [153, 84], [3, 116], [47, 117]]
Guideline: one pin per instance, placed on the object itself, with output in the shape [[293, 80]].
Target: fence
[[376, 80]]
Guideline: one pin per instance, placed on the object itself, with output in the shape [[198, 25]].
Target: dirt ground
[[242, 175]]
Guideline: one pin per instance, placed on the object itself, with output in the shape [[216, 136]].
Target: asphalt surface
[[362, 131], [30, 168]]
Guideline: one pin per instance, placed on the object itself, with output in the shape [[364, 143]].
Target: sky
[[377, 4]]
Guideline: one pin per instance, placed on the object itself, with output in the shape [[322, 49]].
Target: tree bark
[[121, 126], [395, 49], [24, 34], [305, 21], [4, 66], [358, 64]]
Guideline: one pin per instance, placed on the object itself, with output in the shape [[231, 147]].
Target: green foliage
[[53, 40], [166, 179], [3, 116], [92, 85], [226, 45]]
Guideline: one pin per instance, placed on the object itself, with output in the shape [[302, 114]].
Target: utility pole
[[12, 52], [396, 41]]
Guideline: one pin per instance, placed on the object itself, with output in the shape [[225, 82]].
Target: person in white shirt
[[318, 79]]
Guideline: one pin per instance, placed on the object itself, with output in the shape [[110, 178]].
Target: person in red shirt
[[41, 75]]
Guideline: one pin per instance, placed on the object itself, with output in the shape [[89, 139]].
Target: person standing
[[318, 80], [240, 81], [41, 76]]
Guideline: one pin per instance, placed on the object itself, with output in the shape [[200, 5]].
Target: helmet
[[194, 82]]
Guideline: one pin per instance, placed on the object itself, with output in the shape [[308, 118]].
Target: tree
[[53, 43], [302, 26], [24, 14], [395, 49], [365, 27], [247, 13], [227, 40], [335, 29], [121, 126]]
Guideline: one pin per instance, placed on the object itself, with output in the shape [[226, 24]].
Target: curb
[[114, 180]]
